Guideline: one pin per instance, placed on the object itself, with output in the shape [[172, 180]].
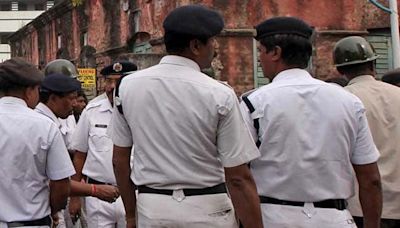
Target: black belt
[[220, 188], [93, 181], [339, 204], [46, 221]]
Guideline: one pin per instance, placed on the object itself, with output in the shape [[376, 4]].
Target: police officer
[[93, 156], [57, 96], [33, 152], [310, 134], [68, 124], [67, 127], [189, 136], [354, 58]]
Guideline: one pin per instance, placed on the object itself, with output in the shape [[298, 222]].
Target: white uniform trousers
[[100, 213], [282, 216], [203, 211]]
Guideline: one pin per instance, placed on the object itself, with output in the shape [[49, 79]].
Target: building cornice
[[43, 19]]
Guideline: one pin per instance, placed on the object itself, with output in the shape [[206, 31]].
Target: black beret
[[194, 20], [283, 25], [118, 68], [392, 77], [60, 83], [16, 72]]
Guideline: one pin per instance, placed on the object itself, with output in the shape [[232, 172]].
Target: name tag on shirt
[[101, 125]]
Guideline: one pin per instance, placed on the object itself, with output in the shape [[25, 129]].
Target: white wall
[[11, 21], [5, 52]]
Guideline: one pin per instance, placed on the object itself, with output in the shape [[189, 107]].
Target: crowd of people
[[168, 146]]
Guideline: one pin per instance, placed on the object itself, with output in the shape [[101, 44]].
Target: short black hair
[[356, 69], [296, 50], [177, 42], [338, 80], [81, 93], [8, 85]]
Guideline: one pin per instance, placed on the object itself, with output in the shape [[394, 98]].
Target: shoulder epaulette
[[225, 83], [93, 104]]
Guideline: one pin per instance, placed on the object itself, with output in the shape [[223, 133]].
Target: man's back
[[28, 141], [382, 104], [310, 131], [182, 123]]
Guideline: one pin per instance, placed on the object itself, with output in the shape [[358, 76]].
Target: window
[[3, 39], [14, 6], [5, 6], [40, 6], [59, 41], [259, 78], [84, 38], [22, 6], [381, 41]]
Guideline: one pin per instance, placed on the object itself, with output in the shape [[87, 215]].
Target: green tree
[[77, 2]]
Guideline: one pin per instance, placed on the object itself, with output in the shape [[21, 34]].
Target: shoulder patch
[[246, 94], [93, 104]]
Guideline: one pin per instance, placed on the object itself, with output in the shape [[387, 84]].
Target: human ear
[[195, 46], [277, 53]]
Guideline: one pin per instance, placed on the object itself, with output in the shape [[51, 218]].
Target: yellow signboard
[[87, 76]]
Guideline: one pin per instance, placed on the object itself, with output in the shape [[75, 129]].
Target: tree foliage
[[77, 2]]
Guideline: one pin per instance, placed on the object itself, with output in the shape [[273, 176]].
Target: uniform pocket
[[101, 141]]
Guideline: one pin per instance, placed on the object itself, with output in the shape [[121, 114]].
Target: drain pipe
[[394, 25]]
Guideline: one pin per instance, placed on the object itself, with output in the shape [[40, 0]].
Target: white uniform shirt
[[44, 110], [98, 98], [311, 132], [67, 129], [382, 102], [32, 152], [185, 126], [91, 137]]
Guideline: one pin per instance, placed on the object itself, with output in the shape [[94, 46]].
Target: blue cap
[[194, 20], [119, 68], [59, 83]]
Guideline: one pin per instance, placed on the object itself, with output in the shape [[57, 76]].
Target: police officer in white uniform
[[32, 152], [311, 134], [188, 133], [67, 125], [93, 156], [67, 68], [57, 96]]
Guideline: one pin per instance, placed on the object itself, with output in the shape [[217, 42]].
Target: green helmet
[[353, 50], [61, 66]]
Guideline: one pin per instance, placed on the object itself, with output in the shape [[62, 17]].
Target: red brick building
[[100, 31]]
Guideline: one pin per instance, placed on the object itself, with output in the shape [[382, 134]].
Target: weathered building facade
[[99, 32]]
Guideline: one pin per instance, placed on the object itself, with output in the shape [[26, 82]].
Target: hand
[[107, 193], [75, 209], [130, 223], [55, 219]]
